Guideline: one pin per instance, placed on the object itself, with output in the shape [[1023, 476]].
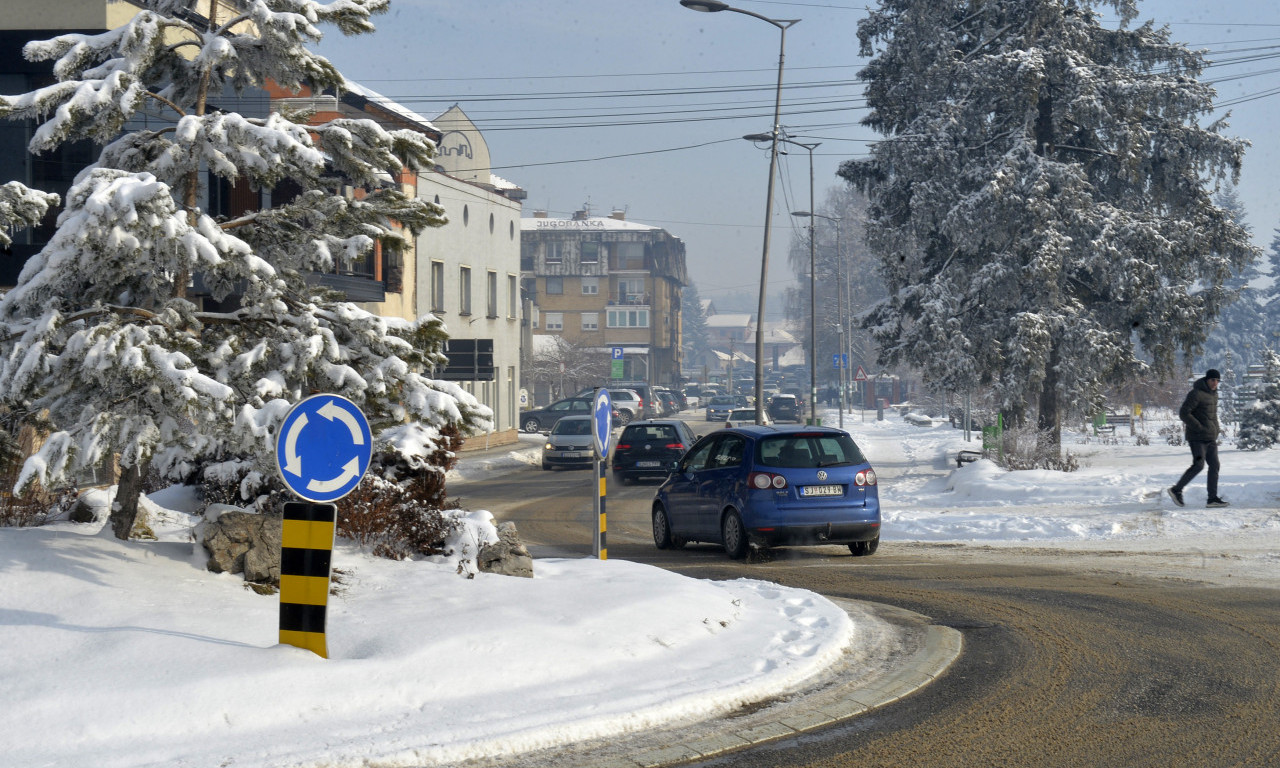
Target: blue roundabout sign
[[323, 448]]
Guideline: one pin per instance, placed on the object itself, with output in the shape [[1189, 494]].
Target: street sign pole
[[323, 450], [602, 431]]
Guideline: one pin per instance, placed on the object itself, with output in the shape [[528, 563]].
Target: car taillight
[[865, 477], [674, 446], [763, 480], [623, 446]]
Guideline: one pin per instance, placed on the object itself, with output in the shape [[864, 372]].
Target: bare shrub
[[396, 512], [1030, 448]]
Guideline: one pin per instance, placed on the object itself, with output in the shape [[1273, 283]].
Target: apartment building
[[605, 283]]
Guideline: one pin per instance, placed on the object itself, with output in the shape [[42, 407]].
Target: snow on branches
[[100, 337], [1041, 202]]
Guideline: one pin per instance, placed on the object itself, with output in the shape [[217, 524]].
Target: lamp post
[[813, 280], [715, 6], [813, 317]]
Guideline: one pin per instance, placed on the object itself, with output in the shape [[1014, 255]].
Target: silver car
[[570, 443]]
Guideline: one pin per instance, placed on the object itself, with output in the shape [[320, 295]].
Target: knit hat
[[1212, 373]]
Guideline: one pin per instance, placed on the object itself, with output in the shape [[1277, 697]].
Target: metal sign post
[[323, 450], [602, 431]]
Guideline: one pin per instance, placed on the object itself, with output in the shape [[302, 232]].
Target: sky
[[641, 106], [132, 654]]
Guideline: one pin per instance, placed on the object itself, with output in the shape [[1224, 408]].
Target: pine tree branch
[[166, 102]]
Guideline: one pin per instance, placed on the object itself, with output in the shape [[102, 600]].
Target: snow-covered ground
[[133, 655]]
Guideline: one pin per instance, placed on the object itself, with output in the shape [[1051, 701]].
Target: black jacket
[[1200, 413]]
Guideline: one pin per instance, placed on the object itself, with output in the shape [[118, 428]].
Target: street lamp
[[813, 295], [813, 321], [715, 6]]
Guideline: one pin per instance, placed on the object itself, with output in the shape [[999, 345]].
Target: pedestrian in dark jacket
[[1200, 413]]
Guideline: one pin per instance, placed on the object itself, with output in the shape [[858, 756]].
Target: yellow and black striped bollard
[[306, 548]]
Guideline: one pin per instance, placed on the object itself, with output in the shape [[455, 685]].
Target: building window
[[590, 253], [628, 318], [437, 286], [555, 286], [630, 255], [464, 281], [491, 285], [555, 253], [631, 291], [554, 321], [513, 297], [590, 321], [590, 286]]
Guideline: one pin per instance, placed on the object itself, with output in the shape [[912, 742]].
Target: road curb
[[918, 653]]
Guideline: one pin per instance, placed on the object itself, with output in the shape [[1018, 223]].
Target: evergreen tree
[[99, 332], [1041, 205], [696, 341], [1269, 297], [1260, 419], [1241, 329]]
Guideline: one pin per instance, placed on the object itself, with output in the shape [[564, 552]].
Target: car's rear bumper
[[828, 533]]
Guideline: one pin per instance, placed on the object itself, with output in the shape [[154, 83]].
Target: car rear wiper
[[834, 463]]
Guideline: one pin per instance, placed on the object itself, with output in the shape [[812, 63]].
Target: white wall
[[483, 233]]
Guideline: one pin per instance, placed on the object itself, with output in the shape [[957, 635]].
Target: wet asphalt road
[[1064, 664]]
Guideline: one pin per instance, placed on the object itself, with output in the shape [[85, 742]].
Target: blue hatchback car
[[770, 485]]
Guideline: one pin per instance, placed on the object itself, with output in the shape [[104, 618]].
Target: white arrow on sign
[[332, 410], [292, 462], [349, 472]]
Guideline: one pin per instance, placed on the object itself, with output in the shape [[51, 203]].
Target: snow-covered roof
[[500, 183], [729, 320], [590, 224], [389, 104]]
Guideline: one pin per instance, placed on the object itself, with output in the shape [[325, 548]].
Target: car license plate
[[573, 454], [648, 463], [822, 490]]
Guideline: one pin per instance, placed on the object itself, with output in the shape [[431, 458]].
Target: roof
[[590, 224], [388, 104], [729, 320]]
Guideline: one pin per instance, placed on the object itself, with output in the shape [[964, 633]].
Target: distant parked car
[[742, 417], [570, 443], [770, 486], [628, 402], [650, 448], [670, 406], [543, 419]]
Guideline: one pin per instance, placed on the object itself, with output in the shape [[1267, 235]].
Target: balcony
[[629, 299]]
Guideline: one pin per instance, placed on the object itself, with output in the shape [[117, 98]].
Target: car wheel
[[545, 465], [864, 548], [734, 535], [531, 425], [662, 538], [625, 416]]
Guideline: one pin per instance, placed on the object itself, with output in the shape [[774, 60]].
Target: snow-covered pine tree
[[99, 332], [1269, 300], [20, 207], [1260, 419], [1241, 329], [695, 337], [1041, 204]]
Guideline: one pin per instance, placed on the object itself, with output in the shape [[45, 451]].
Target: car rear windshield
[[638, 432], [572, 427], [808, 450], [724, 400]]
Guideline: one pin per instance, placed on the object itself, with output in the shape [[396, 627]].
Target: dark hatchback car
[[784, 408], [767, 486], [650, 448]]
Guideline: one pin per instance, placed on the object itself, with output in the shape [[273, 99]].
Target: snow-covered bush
[[1260, 420]]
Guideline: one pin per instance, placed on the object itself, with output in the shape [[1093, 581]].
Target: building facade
[[604, 283]]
